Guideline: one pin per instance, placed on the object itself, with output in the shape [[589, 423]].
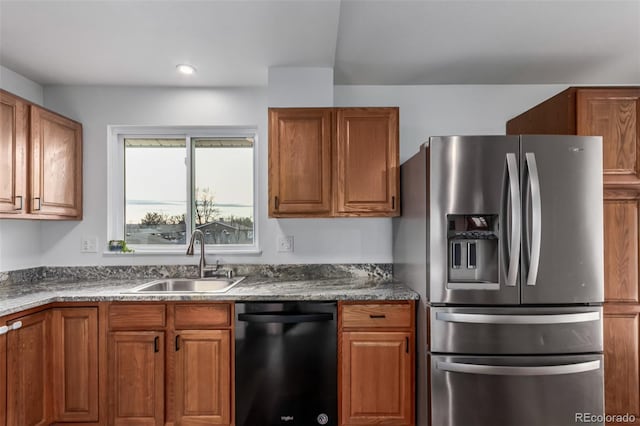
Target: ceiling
[[234, 42]]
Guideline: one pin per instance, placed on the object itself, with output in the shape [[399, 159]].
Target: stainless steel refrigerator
[[502, 236]]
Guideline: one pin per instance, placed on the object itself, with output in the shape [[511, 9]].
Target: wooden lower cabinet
[[75, 364], [28, 371], [3, 377], [376, 357], [136, 378], [622, 302], [203, 377], [186, 382], [622, 361], [376, 385]]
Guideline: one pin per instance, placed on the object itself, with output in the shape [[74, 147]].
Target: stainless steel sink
[[188, 285]]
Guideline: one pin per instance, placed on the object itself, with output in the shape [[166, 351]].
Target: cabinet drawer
[[136, 317], [190, 317], [376, 315]]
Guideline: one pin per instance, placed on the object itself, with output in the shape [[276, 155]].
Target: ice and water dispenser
[[473, 248]]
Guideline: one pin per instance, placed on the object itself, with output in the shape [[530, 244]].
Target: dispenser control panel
[[473, 248]]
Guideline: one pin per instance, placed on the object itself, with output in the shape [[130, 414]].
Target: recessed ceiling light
[[186, 69]]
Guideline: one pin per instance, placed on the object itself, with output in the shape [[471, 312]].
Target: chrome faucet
[[202, 266]]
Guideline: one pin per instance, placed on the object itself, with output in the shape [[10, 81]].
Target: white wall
[[300, 87], [18, 85], [20, 239], [316, 241], [424, 111], [440, 110]]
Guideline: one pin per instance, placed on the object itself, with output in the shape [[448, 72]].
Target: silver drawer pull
[[502, 370], [518, 319], [16, 325], [4, 330]]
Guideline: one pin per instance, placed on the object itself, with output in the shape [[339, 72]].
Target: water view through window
[[161, 208]]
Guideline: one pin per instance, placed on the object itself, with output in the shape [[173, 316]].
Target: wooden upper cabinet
[[56, 165], [203, 377], [29, 372], [75, 364], [40, 162], [13, 162], [613, 114], [328, 162], [300, 162], [367, 158]]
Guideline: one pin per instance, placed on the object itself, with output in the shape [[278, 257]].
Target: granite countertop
[[15, 297]]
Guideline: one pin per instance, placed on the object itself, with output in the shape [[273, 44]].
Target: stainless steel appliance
[[286, 358], [502, 236]]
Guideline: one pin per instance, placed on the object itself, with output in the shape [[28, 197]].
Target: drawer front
[[376, 315], [520, 330], [519, 390], [137, 317], [190, 317]]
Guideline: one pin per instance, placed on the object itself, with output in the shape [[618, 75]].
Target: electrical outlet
[[89, 244], [285, 243]]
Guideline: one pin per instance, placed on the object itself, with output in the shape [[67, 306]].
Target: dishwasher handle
[[285, 317]]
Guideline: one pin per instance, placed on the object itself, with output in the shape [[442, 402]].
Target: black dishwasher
[[286, 364]]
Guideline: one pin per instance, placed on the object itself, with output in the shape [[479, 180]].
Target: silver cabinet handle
[[16, 325], [536, 225], [518, 319], [39, 203], [516, 218], [501, 370], [4, 330], [19, 197]]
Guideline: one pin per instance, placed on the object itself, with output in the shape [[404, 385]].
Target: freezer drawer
[[519, 330], [516, 391]]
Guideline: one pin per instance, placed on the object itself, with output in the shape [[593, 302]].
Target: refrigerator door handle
[[536, 220], [516, 220], [502, 370], [518, 319]]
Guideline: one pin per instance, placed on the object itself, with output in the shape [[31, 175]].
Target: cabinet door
[[300, 162], [621, 252], [376, 378], [75, 364], [621, 361], [13, 166], [56, 165], [613, 114], [3, 379], [367, 162], [28, 370], [136, 378], [203, 377]]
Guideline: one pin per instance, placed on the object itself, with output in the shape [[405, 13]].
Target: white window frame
[[116, 183]]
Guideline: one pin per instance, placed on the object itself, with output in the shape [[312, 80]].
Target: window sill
[[175, 252]]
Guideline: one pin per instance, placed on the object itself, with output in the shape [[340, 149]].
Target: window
[[169, 182]]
